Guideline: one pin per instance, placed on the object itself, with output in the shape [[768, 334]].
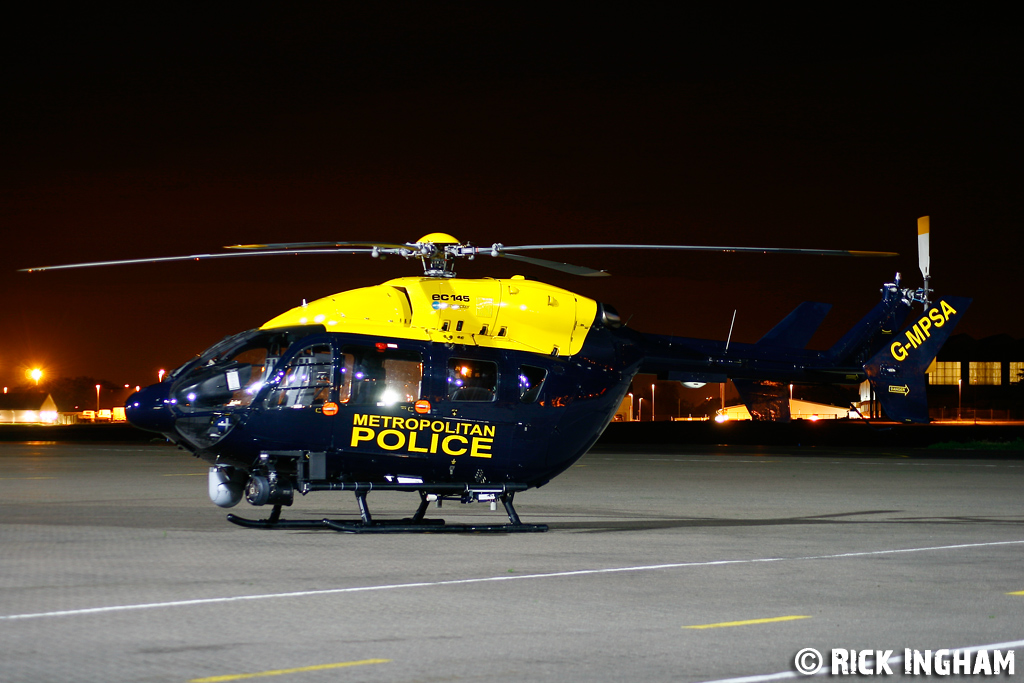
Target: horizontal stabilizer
[[797, 328], [897, 371]]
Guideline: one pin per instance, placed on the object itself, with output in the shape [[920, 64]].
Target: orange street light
[[36, 374], [959, 396]]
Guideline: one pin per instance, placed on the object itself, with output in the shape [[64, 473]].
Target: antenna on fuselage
[[729, 338]]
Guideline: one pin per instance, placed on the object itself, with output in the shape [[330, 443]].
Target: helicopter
[[478, 389]]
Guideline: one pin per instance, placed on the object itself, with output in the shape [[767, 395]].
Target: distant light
[[36, 374], [722, 417]]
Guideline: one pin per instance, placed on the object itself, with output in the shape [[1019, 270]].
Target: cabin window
[[472, 380], [531, 379], [402, 379], [306, 380], [372, 377]]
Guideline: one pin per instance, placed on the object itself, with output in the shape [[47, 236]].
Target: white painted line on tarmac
[[487, 579]]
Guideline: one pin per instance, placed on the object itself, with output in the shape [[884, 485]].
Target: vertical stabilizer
[[897, 371], [797, 328]]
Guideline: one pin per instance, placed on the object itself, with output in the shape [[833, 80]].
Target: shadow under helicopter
[[649, 524]]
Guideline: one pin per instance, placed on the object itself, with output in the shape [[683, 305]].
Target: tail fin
[[897, 371], [768, 400], [797, 328]]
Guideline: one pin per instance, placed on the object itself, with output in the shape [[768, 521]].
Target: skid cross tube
[[417, 523]]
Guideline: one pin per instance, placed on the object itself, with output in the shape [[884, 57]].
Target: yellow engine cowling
[[514, 314]]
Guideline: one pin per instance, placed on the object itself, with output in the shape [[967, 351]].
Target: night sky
[[138, 135]]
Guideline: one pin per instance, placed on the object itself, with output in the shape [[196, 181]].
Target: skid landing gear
[[417, 523]]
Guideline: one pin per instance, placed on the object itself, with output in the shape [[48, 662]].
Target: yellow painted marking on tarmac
[[748, 622], [280, 672], [23, 478], [1016, 593]]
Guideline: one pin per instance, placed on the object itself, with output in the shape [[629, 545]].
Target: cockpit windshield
[[231, 372]]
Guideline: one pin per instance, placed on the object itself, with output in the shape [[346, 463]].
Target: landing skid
[[415, 524]]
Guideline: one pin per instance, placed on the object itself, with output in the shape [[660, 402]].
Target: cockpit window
[[306, 380], [231, 373], [472, 380]]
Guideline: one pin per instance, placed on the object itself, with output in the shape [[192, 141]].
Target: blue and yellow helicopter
[[477, 389]]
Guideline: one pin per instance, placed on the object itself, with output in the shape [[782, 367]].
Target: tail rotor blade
[[923, 255]]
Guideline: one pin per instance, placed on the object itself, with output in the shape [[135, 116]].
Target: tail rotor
[[924, 261]]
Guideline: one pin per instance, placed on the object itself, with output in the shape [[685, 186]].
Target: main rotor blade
[[195, 257], [681, 247], [308, 245], [556, 265]]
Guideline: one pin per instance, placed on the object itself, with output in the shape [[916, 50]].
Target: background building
[[978, 379], [27, 407]]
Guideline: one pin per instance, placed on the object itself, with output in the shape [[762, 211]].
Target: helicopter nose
[[150, 409]]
